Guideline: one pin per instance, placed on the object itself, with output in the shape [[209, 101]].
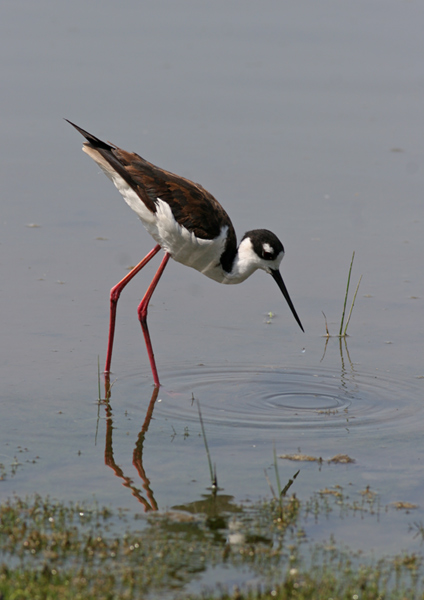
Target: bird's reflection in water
[[216, 506], [145, 495]]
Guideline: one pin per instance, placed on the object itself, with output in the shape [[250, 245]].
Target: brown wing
[[192, 206]]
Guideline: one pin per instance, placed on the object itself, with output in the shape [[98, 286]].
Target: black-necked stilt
[[188, 224]]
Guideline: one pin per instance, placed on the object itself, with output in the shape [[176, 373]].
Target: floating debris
[[338, 458], [404, 505]]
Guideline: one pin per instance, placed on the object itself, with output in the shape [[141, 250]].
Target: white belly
[[179, 242], [184, 246]]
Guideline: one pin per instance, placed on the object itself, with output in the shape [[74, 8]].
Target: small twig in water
[[326, 324], [289, 483]]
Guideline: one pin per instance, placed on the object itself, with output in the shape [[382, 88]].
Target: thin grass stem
[[98, 378], [212, 470], [270, 484], [347, 292], [351, 308], [277, 475]]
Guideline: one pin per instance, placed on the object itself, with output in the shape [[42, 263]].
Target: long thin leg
[[115, 292], [142, 315]]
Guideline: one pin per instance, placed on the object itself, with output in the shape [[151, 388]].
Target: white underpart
[[185, 247], [180, 243]]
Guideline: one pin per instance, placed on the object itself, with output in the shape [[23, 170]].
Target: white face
[[267, 265], [248, 256]]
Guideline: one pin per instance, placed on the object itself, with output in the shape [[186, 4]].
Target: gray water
[[301, 117]]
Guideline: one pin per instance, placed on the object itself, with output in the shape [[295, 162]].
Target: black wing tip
[[94, 141]]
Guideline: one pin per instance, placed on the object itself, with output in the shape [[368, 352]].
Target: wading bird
[[187, 223]]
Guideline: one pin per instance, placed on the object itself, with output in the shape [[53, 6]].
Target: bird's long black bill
[[277, 276]]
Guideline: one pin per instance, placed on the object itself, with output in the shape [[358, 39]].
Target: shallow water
[[248, 411], [301, 118], [280, 399]]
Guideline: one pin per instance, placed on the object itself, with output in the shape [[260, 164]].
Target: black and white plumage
[[188, 223]]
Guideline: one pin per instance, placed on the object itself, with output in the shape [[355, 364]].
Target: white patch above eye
[[267, 248]]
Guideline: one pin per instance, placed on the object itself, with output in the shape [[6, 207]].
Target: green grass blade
[[211, 469], [351, 308], [98, 378], [277, 475], [347, 292]]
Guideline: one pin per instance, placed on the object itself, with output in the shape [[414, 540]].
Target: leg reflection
[[144, 496]]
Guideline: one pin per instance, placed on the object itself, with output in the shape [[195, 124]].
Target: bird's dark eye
[[267, 251]]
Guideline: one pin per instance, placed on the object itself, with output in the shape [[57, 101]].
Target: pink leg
[[142, 315], [115, 292]]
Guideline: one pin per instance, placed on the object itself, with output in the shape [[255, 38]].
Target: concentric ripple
[[284, 398]]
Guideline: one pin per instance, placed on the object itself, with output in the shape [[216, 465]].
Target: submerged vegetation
[[50, 550]]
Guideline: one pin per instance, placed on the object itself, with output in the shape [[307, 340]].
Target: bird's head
[[266, 252]]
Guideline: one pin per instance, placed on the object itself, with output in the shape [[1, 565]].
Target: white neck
[[245, 263]]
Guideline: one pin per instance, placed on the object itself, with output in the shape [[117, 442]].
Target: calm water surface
[[302, 118]]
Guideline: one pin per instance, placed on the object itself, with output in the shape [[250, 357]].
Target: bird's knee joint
[[142, 315]]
